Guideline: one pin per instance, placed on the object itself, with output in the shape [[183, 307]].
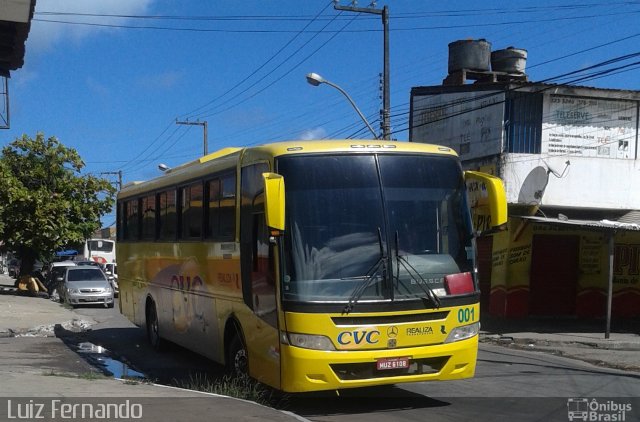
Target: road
[[510, 384]]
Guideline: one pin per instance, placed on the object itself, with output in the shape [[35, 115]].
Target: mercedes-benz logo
[[392, 331]]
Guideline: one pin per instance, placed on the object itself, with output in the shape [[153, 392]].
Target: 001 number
[[466, 315]]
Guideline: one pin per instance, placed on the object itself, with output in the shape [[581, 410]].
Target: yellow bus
[[315, 265]]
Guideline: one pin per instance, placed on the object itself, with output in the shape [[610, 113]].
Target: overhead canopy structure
[[602, 225], [15, 23], [67, 252], [609, 228]]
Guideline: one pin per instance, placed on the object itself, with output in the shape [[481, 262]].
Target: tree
[[45, 203]]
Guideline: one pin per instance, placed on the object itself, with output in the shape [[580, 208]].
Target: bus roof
[[227, 158]]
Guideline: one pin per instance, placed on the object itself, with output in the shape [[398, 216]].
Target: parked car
[[13, 268], [86, 285], [55, 275], [92, 263], [111, 270]]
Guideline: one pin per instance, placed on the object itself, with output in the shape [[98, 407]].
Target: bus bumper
[[306, 370]]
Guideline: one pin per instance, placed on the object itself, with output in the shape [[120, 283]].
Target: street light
[[315, 80], [163, 167]]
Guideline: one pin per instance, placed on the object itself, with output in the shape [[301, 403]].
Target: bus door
[[258, 280]]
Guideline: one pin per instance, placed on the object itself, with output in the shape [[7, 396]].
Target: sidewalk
[[582, 339], [36, 365]]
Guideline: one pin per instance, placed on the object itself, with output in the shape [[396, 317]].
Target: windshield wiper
[[402, 260], [368, 277]]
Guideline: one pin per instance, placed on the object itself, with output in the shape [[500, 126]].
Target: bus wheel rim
[[240, 361]]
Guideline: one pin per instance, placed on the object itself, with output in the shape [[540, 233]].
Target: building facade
[[568, 157]]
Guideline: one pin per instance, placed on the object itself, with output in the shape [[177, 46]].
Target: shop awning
[[609, 227], [67, 252], [593, 224]]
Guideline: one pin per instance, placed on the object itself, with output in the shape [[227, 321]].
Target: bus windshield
[[99, 245], [391, 225]]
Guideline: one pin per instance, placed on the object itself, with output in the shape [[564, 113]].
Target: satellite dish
[[533, 186]]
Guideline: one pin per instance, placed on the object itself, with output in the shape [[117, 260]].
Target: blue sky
[[113, 87]]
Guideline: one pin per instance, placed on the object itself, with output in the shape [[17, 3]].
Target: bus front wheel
[[237, 358], [153, 329]]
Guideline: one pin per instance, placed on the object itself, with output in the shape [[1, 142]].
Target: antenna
[[533, 187]]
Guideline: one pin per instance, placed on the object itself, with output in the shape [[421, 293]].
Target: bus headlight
[[463, 333], [307, 341]]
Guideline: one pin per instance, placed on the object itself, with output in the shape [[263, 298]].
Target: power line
[[590, 76], [406, 15], [290, 31], [400, 115], [294, 67], [269, 60]]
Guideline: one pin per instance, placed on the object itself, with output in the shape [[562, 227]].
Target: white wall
[[594, 130], [586, 183]]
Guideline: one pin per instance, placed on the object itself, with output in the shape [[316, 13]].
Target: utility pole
[[204, 126], [385, 113], [117, 173]]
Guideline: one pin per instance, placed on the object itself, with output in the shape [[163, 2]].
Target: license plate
[[392, 363]]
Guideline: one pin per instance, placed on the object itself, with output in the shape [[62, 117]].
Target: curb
[[602, 344]]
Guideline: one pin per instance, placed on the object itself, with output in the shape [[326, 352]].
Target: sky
[[112, 78]]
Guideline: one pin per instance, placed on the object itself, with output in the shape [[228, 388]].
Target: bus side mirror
[[274, 200], [487, 198]]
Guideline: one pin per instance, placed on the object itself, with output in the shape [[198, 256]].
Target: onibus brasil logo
[[598, 410]]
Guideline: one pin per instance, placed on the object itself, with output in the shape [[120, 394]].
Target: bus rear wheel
[[153, 327], [237, 357]]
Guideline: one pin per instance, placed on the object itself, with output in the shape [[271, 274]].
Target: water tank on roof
[[509, 60], [469, 54]]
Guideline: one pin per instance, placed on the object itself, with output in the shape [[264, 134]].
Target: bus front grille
[[368, 370]]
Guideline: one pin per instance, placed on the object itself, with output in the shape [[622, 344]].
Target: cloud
[[317, 133], [24, 76], [97, 87], [164, 80], [44, 36]]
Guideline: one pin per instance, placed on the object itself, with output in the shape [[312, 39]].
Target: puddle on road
[[99, 356]]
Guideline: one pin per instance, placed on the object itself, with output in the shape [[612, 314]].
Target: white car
[[111, 270], [54, 274]]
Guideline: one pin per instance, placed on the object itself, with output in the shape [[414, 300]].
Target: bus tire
[[237, 357], [153, 326]]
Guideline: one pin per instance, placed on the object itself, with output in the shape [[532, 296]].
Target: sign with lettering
[[588, 127], [470, 123]]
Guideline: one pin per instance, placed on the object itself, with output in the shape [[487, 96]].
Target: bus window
[[228, 208], [122, 219], [167, 224], [221, 223], [132, 228], [191, 211], [149, 217], [214, 209]]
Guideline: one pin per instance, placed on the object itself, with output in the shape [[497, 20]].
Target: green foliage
[[45, 203], [240, 386]]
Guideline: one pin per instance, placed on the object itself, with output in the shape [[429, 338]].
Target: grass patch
[[85, 375], [91, 376], [241, 387]]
